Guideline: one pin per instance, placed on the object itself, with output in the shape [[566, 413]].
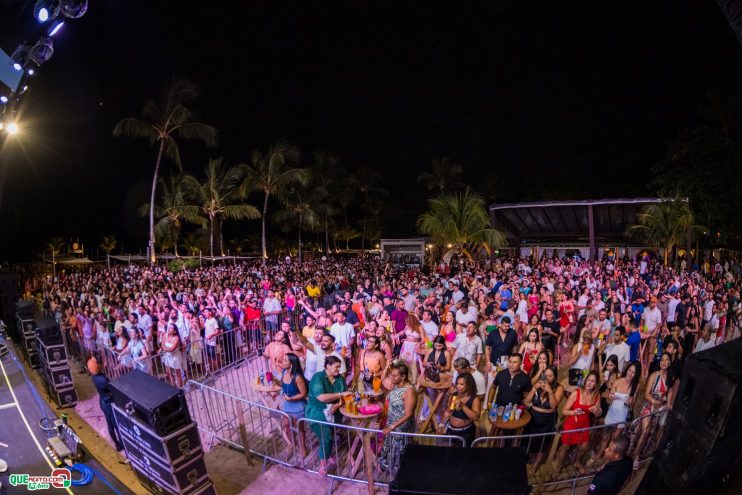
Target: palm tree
[[300, 205], [221, 197], [347, 234], [108, 244], [460, 219], [161, 124], [666, 224], [54, 246], [442, 175], [236, 246], [272, 172], [193, 241], [177, 204], [325, 172]]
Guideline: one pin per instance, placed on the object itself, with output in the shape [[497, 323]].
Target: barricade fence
[[197, 360]]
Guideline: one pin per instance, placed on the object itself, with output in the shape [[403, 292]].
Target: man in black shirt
[[551, 332], [500, 343], [512, 384], [610, 479]]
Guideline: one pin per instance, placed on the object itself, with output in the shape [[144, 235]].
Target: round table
[[567, 387], [267, 394], [498, 426], [360, 450], [434, 398]]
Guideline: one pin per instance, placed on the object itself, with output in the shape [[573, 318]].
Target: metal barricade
[[241, 424], [354, 453]]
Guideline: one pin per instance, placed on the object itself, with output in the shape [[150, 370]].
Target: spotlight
[[19, 59], [46, 10], [42, 50], [56, 28], [30, 72], [3, 99], [12, 128], [74, 9]]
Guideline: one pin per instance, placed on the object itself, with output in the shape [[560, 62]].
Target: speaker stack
[[700, 451], [53, 358], [27, 328], [161, 442], [8, 293]]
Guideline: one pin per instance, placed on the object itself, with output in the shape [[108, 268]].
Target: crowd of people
[[571, 340]]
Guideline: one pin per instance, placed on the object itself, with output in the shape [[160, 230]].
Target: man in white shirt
[[456, 295], [602, 325], [652, 317], [431, 329], [708, 308], [271, 310], [466, 313], [318, 349], [342, 331], [619, 348], [582, 302], [211, 331], [468, 345], [705, 342], [672, 305]]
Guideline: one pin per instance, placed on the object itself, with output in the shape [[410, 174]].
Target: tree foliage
[[460, 219]]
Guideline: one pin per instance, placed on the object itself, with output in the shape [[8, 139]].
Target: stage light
[[20, 56], [42, 50], [46, 10], [12, 128], [30, 72], [56, 28], [74, 9], [3, 99]]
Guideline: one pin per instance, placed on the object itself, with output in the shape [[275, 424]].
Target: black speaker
[[59, 377], [24, 309], [63, 397], [700, 451], [48, 329], [51, 354], [174, 449], [8, 295], [155, 403], [458, 470]]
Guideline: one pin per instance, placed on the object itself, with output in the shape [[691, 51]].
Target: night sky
[[551, 100]]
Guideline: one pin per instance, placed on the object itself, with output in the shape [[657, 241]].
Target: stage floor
[[21, 409]]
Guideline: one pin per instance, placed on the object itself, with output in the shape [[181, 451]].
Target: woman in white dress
[[171, 355]]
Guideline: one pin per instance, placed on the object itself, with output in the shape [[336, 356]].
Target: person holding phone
[[542, 402], [580, 405]]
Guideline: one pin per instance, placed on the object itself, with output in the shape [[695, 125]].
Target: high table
[[499, 426], [567, 387], [267, 394], [434, 396], [360, 449]]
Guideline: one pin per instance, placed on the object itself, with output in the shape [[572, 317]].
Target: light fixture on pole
[[42, 51], [46, 10], [74, 9], [19, 59]]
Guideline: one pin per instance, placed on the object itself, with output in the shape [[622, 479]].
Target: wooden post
[[367, 457], [240, 415], [591, 232]]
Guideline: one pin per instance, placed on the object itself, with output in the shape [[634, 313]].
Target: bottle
[[262, 377], [452, 403], [357, 400], [514, 414], [493, 412], [506, 414]]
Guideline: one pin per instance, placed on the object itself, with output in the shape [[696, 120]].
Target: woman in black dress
[[542, 402]]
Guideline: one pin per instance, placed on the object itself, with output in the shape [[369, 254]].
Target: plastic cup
[[500, 411]]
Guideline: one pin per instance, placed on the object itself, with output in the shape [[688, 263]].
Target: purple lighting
[[56, 28]]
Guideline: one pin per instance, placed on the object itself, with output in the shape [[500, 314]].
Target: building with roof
[[588, 226]]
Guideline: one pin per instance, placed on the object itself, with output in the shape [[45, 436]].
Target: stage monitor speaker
[[700, 451], [48, 329], [157, 404], [427, 470], [24, 309]]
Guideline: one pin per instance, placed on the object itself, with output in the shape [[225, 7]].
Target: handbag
[[432, 374]]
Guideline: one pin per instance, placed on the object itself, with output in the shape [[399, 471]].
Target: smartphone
[[542, 378]]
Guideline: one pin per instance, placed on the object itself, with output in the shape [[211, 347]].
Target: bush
[[192, 264], [175, 265]]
